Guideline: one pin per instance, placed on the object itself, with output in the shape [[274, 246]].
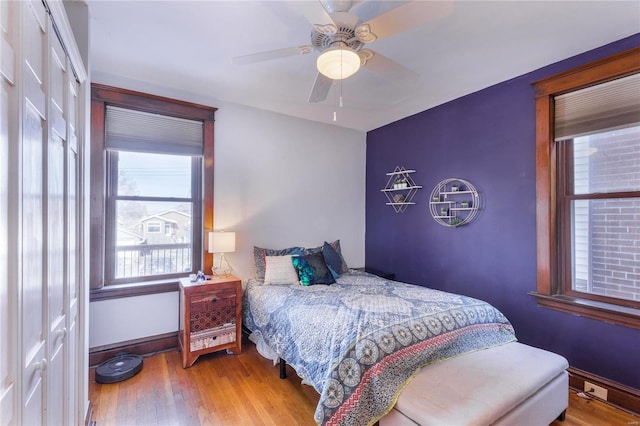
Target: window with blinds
[[151, 191], [132, 130], [607, 106], [153, 201], [598, 133]]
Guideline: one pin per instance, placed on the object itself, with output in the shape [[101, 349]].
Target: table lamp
[[221, 242]]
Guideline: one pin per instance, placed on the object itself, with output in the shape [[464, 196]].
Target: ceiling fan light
[[338, 63]]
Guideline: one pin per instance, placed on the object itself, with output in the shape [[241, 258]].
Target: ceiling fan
[[341, 37]]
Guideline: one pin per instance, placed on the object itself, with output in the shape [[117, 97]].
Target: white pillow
[[280, 270]]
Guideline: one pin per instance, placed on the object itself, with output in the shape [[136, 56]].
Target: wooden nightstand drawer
[[212, 310], [213, 337]]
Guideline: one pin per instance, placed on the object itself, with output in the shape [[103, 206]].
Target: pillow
[[336, 246], [311, 250], [259, 255], [280, 270], [333, 260], [343, 268], [312, 269]]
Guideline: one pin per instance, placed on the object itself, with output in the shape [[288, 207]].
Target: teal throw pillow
[[312, 269]]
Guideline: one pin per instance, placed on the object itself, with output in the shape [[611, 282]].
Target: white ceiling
[[187, 47]]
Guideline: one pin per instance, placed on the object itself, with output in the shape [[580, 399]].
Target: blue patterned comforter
[[359, 341]]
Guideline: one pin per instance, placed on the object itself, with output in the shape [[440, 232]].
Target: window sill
[[607, 312], [129, 290]]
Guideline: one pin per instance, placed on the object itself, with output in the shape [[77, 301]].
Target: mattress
[[360, 340], [501, 385]]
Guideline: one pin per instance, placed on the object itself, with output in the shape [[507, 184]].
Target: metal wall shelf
[[454, 202], [400, 189]]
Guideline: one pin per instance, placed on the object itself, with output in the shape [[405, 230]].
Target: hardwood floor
[[221, 389], [590, 412]]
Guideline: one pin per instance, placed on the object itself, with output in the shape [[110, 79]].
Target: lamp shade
[[222, 242], [338, 62]]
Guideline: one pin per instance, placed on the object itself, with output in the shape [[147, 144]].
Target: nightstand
[[210, 317]]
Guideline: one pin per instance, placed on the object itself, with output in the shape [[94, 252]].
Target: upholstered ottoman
[[513, 384]]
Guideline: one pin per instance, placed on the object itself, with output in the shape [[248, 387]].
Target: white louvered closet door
[[8, 93], [32, 279], [56, 229], [41, 363], [72, 245]]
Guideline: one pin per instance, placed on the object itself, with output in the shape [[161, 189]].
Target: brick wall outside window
[[613, 165]]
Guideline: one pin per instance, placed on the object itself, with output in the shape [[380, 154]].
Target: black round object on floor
[[119, 368]]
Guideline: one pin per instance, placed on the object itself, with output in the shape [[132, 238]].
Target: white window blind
[[131, 130], [607, 106]]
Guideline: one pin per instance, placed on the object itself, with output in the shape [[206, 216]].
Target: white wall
[[129, 318], [279, 181]]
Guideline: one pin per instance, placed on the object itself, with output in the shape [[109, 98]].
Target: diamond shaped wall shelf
[[400, 189]]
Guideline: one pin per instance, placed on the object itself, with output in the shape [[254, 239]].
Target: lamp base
[[221, 273], [223, 268]]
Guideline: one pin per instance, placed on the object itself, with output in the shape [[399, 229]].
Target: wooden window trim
[[128, 290], [549, 291], [101, 96]]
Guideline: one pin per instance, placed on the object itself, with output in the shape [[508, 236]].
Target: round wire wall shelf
[[454, 202]]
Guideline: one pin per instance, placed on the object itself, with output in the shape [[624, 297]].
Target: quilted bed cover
[[359, 341]]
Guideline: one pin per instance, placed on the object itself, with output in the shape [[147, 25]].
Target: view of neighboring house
[[164, 241], [170, 227], [127, 238]]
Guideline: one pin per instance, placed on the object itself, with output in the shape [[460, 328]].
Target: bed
[[374, 348]]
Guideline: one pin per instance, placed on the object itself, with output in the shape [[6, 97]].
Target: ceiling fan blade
[[272, 54], [316, 14], [403, 18], [320, 88], [390, 69]]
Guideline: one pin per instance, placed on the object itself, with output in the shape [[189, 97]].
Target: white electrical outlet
[[595, 390]]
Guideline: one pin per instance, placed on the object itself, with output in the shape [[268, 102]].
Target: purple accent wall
[[488, 138]]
